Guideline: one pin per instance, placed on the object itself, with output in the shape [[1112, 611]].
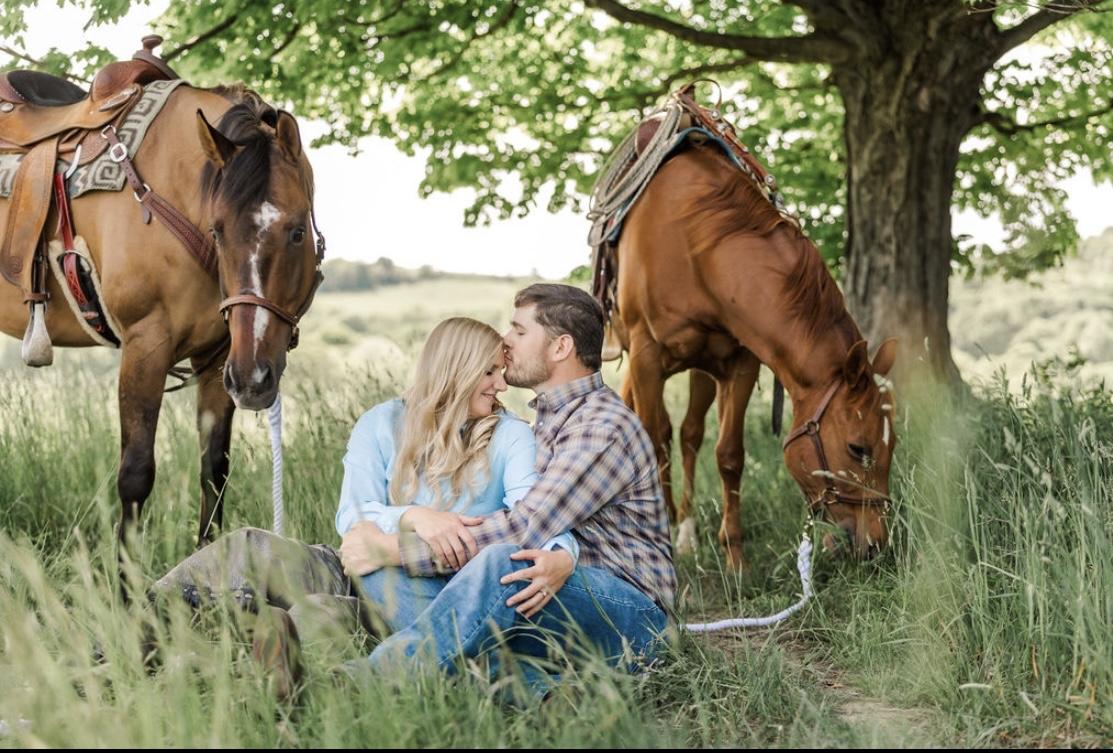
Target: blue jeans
[[398, 598], [594, 610]]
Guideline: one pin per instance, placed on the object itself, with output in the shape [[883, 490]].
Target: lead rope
[[803, 565], [274, 415]]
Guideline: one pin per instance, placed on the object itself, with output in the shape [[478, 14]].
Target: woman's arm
[[365, 549], [364, 494]]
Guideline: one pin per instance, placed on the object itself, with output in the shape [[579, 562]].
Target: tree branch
[[495, 26], [39, 64], [1049, 14], [814, 48], [286, 42], [1009, 127], [203, 37]]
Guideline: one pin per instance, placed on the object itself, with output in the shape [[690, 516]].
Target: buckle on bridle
[[811, 427]]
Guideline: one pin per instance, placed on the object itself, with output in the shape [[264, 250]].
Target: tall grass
[[992, 606]]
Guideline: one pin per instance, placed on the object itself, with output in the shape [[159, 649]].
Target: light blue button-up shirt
[[369, 465]]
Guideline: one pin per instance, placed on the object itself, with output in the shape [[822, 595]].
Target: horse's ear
[[289, 138], [885, 356], [856, 370], [218, 147]]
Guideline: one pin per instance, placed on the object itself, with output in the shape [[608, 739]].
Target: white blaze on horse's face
[[267, 215], [260, 189]]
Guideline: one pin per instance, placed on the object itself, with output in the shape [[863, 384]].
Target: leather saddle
[[45, 118]]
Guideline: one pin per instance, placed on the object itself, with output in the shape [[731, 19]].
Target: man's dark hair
[[565, 310]]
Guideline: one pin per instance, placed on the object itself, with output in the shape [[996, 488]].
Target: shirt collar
[[558, 397]]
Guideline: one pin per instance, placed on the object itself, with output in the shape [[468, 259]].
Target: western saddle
[[45, 118]]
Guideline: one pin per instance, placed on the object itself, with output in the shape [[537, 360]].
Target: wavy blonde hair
[[437, 441]]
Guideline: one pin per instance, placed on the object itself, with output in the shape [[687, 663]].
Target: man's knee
[[249, 537]]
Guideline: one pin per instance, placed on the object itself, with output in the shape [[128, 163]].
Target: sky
[[368, 205]]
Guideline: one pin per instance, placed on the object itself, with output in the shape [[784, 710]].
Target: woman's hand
[[548, 574], [365, 549], [446, 533]]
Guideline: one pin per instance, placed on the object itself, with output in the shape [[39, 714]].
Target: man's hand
[[547, 576], [446, 533], [365, 549]]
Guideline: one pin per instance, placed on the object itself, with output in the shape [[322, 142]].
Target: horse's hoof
[[686, 537], [736, 560]]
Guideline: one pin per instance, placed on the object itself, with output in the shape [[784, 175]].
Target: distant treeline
[[343, 274]]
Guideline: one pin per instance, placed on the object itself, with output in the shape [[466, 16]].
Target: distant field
[[1069, 310]]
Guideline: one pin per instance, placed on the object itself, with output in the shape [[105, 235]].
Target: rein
[[831, 494]]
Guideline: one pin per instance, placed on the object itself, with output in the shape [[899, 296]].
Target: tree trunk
[[911, 93]]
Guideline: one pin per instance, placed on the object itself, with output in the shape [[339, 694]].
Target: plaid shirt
[[598, 479]]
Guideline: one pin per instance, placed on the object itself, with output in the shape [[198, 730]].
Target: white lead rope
[[803, 553], [275, 417], [803, 564]]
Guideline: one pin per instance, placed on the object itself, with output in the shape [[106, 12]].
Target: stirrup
[[37, 349]]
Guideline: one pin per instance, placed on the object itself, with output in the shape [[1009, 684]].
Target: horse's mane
[[732, 205], [243, 180]]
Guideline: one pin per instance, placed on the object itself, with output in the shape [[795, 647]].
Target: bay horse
[[712, 277], [248, 183]]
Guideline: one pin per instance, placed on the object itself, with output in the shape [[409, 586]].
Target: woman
[[434, 460]]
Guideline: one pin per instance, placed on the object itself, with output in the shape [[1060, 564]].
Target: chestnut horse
[[249, 185], [712, 277]]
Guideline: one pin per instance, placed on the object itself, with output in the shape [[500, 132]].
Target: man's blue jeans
[[467, 616]]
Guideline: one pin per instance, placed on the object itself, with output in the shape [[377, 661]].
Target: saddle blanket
[[102, 174]]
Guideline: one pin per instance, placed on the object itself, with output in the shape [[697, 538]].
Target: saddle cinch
[[46, 119]]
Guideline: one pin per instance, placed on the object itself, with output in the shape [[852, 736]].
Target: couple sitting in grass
[[464, 532]]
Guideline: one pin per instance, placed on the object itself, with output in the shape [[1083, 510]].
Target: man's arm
[[588, 469], [519, 476]]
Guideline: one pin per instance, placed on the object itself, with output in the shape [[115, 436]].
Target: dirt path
[[873, 722]]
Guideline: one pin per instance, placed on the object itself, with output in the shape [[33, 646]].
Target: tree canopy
[[878, 117], [521, 100]]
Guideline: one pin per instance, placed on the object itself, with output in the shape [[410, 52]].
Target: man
[[598, 479]]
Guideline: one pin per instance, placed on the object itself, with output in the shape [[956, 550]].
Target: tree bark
[[910, 95]]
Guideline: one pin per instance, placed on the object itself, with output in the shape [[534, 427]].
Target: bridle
[[250, 299], [831, 494]]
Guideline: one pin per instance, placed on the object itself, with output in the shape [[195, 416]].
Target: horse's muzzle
[[255, 392]]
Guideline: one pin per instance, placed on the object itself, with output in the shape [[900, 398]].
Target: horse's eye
[[214, 232], [859, 453], [297, 235]]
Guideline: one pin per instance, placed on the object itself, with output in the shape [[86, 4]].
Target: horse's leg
[[146, 359], [734, 395], [626, 392], [701, 394], [214, 426], [647, 387]]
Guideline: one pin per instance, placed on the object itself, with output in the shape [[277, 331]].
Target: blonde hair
[[437, 441]]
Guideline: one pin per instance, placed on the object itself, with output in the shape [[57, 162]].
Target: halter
[[248, 299], [202, 250], [830, 495]]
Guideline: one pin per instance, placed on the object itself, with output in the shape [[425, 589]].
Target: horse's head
[[840, 448], [260, 189]]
